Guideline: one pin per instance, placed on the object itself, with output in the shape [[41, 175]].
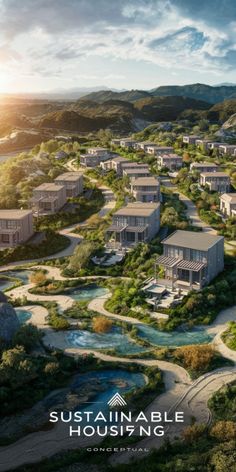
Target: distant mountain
[[203, 92], [127, 96], [198, 91]]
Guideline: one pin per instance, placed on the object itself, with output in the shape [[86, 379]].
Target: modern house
[[191, 139], [133, 165], [144, 146], [203, 167], [145, 189], [203, 143], [192, 259], [61, 155], [72, 181], [16, 227], [114, 164], [213, 145], [98, 151], [135, 172], [127, 143], [135, 223], [228, 204], [95, 156], [215, 181], [155, 149], [48, 198], [227, 149], [171, 161], [115, 142]]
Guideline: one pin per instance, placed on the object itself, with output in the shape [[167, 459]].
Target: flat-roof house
[[215, 181], [95, 156], [228, 204], [114, 164], [127, 143], [115, 142], [134, 223], [98, 151], [136, 172], [227, 149], [155, 149], [145, 189], [48, 198], [16, 227], [213, 145], [171, 161], [72, 181], [145, 145], [203, 166], [192, 259], [190, 139], [204, 143]]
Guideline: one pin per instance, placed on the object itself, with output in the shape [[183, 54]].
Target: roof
[[137, 209], [136, 229], [120, 159], [203, 164], [171, 156], [167, 261], [164, 147], [191, 265], [135, 165], [230, 146], [49, 187], [229, 197], [69, 176], [192, 240], [214, 174], [145, 181], [98, 148], [136, 170], [14, 214]]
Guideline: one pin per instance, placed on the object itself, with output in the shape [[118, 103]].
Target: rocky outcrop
[[9, 322]]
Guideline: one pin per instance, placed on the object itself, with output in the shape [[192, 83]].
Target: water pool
[[101, 385], [115, 339], [174, 338], [22, 275], [119, 380], [23, 315], [88, 292], [6, 284]]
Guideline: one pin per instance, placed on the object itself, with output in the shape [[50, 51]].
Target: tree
[[101, 324], [37, 277], [196, 357], [16, 368], [224, 430], [27, 336], [193, 432], [81, 256]]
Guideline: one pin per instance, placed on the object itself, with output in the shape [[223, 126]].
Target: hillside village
[[117, 248]]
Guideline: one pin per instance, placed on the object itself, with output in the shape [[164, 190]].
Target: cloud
[[173, 34]]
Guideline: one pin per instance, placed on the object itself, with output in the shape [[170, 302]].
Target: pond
[[23, 315], [22, 275], [174, 338], [112, 381], [115, 339], [87, 293]]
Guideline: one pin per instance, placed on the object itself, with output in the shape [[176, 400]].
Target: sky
[[50, 45]]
